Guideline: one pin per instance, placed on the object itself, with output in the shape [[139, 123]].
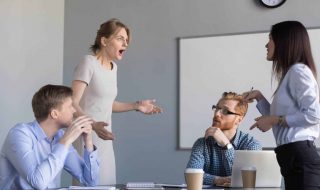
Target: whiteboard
[[212, 65]]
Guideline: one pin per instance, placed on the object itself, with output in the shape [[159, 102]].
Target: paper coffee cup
[[248, 177], [194, 178]]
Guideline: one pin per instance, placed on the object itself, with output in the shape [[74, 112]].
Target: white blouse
[[297, 99]]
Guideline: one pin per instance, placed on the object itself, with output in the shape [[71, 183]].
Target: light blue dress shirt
[[297, 99], [214, 159], [29, 160]]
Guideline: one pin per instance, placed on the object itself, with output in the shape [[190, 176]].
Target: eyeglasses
[[224, 111]]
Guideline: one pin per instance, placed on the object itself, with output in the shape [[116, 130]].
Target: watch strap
[[228, 146]]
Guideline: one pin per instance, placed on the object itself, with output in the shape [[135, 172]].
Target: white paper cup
[[248, 177], [194, 178]]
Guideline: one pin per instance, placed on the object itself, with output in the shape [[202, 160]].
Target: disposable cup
[[194, 178], [248, 177]]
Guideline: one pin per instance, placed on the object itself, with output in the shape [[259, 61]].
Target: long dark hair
[[106, 30], [292, 45]]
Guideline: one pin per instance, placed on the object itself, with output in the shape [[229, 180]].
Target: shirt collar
[[235, 140], [39, 133]]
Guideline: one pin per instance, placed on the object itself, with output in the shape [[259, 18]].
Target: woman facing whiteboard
[[294, 114]]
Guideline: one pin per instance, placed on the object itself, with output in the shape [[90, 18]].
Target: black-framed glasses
[[224, 111]]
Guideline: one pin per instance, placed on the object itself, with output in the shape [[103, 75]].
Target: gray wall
[[146, 147], [31, 51]]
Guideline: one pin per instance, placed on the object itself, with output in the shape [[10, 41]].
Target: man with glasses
[[214, 153]]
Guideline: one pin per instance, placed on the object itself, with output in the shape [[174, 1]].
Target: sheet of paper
[[179, 185], [96, 187], [143, 185], [207, 189], [172, 185], [184, 186]]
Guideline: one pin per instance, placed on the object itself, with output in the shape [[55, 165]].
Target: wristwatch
[[228, 146]]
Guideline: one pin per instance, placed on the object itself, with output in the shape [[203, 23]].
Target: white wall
[[31, 51]]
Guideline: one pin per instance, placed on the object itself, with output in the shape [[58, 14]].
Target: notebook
[[151, 185], [143, 186], [268, 171], [93, 188]]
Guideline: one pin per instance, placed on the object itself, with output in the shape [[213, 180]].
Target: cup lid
[[248, 168], [194, 170]]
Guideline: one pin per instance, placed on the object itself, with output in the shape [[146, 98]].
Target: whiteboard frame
[[203, 64]]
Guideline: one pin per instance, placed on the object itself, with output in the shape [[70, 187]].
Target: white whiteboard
[[210, 66]]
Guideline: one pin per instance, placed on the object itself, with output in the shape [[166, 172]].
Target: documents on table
[[143, 185], [96, 187], [179, 185], [184, 186]]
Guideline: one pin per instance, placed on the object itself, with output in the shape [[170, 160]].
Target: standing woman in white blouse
[[95, 89], [294, 113]]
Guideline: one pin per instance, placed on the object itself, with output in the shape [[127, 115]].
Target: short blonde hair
[[242, 106]]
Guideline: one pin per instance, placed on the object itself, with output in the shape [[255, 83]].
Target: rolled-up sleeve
[[264, 107]]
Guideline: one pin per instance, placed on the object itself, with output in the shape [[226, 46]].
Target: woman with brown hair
[[95, 89]]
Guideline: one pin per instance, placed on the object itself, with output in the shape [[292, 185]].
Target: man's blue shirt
[[214, 159], [29, 160]]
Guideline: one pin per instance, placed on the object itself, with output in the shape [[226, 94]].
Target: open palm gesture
[[148, 107]]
